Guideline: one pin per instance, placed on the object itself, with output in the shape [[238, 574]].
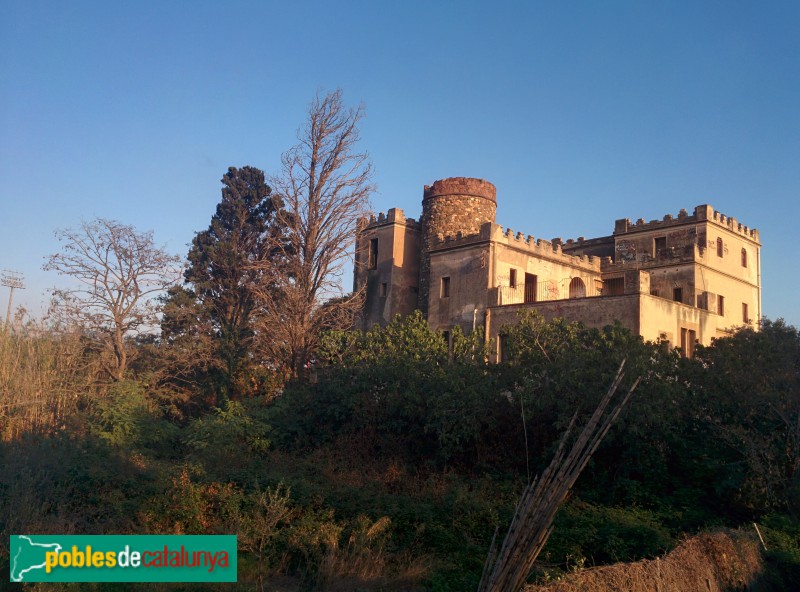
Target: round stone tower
[[449, 206]]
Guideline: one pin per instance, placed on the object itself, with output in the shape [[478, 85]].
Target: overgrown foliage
[[45, 374], [393, 467], [749, 385], [377, 460]]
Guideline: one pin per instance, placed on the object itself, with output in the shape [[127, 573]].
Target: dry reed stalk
[[532, 523], [42, 375]]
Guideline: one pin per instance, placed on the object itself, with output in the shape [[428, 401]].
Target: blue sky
[[579, 112]]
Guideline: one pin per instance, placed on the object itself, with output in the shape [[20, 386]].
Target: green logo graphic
[[123, 558], [28, 556]]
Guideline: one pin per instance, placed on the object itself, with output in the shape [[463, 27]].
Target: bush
[[587, 534], [228, 438], [782, 536], [127, 418]]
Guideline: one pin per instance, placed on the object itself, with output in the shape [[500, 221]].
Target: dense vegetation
[[382, 460], [391, 466]]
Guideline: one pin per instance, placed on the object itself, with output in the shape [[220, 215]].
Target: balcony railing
[[543, 291]]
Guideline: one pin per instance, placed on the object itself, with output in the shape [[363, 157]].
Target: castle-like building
[[683, 279]]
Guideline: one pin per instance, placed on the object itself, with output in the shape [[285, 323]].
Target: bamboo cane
[[532, 524]]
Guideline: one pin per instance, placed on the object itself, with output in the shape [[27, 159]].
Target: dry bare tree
[[118, 272], [325, 187]]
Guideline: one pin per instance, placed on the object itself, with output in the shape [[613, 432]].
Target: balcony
[[545, 291]]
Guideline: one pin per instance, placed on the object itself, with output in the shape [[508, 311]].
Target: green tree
[[399, 390], [557, 368], [748, 392], [222, 275], [185, 359]]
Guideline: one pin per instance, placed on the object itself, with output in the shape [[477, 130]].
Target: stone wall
[[449, 207], [467, 268], [649, 316], [593, 312], [390, 284]]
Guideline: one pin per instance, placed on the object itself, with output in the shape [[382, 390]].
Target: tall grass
[[44, 374]]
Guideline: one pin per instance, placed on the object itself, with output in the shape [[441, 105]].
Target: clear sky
[[579, 112]]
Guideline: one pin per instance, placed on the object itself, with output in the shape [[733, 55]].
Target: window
[[688, 338], [577, 289], [744, 257], [502, 348], [384, 289], [512, 278], [373, 254], [745, 316], [719, 247], [531, 282], [677, 294], [721, 305], [659, 245], [613, 286], [445, 290]]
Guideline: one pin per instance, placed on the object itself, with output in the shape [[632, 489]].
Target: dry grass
[[716, 562], [363, 564], [42, 374]]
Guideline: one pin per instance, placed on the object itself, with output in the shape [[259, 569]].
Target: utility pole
[[11, 279]]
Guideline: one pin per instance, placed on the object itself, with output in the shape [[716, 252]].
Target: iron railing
[[544, 291]]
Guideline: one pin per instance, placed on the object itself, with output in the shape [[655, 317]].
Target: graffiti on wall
[[679, 238], [626, 251]]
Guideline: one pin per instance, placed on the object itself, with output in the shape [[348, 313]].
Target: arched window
[[744, 257], [719, 247], [577, 289]]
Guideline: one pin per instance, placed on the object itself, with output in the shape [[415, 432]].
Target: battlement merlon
[[583, 241], [702, 213], [461, 186], [539, 247], [459, 239], [536, 246], [393, 216]]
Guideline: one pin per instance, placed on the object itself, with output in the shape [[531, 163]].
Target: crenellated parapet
[[730, 223], [392, 216], [703, 213], [461, 187], [579, 242], [459, 239], [539, 247]]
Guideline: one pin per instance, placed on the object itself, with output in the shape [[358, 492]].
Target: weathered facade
[[682, 279]]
